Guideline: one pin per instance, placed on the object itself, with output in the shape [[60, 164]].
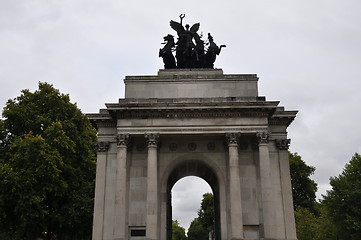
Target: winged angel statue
[[189, 48]]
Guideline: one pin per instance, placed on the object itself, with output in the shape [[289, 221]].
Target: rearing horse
[[166, 52]]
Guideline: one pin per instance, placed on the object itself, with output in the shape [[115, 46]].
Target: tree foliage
[[343, 200], [206, 212], [196, 231], [306, 224], [178, 232], [303, 187], [204, 223], [47, 166], [304, 197]]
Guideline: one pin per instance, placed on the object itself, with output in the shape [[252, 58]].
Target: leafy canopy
[[303, 187], [178, 232], [47, 166], [343, 200]]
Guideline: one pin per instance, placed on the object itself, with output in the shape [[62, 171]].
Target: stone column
[[235, 187], [289, 216], [152, 228], [102, 148], [268, 213], [120, 228]]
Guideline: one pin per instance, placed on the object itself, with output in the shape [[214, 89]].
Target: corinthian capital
[[102, 146], [232, 138], [263, 137], [123, 139], [152, 139], [283, 144]]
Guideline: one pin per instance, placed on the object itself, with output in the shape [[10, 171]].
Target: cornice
[[194, 108], [190, 75], [283, 118]]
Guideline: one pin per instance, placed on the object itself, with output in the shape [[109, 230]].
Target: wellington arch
[[193, 122]]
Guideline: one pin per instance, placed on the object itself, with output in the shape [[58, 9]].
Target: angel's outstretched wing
[[195, 27], [177, 27]]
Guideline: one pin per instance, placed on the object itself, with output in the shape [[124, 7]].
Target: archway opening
[[191, 179], [187, 195]]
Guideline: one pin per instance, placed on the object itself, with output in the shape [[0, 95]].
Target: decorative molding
[[263, 137], [173, 147], [232, 138], [192, 146], [102, 146], [283, 144], [123, 140], [211, 146], [152, 139]]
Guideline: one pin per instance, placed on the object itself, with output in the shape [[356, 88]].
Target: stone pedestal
[[178, 122]]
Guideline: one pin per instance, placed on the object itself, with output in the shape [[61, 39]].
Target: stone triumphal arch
[[193, 123]]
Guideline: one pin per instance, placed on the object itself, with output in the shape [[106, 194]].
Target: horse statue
[[212, 52], [166, 52]]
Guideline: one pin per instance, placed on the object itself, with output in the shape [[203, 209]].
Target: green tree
[[325, 228], [206, 212], [306, 224], [204, 223], [196, 231], [304, 197], [178, 232], [343, 200], [303, 187], [47, 166]]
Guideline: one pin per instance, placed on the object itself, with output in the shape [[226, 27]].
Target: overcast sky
[[307, 54]]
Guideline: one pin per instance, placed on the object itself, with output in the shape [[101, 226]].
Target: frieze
[[106, 124], [141, 131], [190, 113]]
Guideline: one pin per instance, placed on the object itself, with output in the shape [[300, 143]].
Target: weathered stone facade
[[201, 123]]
